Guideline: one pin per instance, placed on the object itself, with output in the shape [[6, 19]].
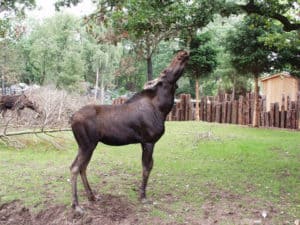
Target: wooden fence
[[221, 109]]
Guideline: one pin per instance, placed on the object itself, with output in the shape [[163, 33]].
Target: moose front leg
[[147, 162]]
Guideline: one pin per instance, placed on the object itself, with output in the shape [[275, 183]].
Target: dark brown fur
[[139, 120], [16, 102]]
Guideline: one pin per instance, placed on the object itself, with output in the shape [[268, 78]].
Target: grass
[[193, 163]]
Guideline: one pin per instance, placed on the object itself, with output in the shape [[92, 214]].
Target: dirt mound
[[108, 210], [14, 213]]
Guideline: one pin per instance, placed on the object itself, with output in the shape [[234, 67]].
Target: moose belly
[[129, 135]]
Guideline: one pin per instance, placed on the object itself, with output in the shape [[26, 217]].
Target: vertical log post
[[240, 110], [272, 115], [288, 112], [282, 113], [298, 111], [276, 115]]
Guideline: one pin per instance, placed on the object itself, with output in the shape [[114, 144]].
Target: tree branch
[[287, 25], [34, 132]]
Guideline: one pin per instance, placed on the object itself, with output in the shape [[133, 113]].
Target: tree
[[248, 54], [8, 10], [229, 79], [203, 60], [11, 63], [225, 78], [53, 52], [147, 23], [101, 61]]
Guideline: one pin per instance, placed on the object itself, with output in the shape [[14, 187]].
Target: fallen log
[[34, 132]]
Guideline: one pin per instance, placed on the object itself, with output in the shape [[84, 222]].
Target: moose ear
[[164, 72], [150, 85]]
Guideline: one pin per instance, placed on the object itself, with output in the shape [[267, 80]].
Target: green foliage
[[203, 56], [224, 78], [186, 85], [130, 74], [52, 52], [248, 54], [161, 59], [11, 62], [101, 56], [58, 51], [285, 46], [227, 78], [258, 46], [71, 70]]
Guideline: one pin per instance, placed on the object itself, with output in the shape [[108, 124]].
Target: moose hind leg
[[85, 182], [74, 174], [79, 166], [147, 162]]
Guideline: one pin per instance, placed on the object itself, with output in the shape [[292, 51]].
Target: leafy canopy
[[248, 54], [203, 55]]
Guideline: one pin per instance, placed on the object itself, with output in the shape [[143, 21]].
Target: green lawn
[[200, 169]]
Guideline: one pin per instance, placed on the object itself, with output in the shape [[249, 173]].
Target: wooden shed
[[273, 87]]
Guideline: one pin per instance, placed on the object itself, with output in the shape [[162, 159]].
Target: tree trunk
[[3, 74], [256, 103], [3, 84], [102, 90], [197, 115], [149, 68], [96, 84]]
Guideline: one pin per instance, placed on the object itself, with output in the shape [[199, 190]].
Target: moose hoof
[[146, 201], [92, 198], [78, 211]]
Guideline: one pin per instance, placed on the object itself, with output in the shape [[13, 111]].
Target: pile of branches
[[56, 106]]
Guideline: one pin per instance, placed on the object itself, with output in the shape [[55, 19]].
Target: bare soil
[[221, 208], [107, 210]]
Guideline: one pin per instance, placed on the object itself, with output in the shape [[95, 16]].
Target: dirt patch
[[108, 210], [221, 207], [224, 207], [14, 213]]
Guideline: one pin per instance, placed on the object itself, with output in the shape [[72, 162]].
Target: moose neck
[[166, 88], [161, 91], [164, 99]]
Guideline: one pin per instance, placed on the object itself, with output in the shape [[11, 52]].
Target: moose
[[16, 102], [139, 120]]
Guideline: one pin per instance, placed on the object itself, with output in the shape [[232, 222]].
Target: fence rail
[[221, 109]]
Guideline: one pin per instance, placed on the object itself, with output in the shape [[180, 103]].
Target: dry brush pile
[[56, 106]]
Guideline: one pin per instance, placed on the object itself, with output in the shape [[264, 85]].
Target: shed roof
[[282, 75]]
